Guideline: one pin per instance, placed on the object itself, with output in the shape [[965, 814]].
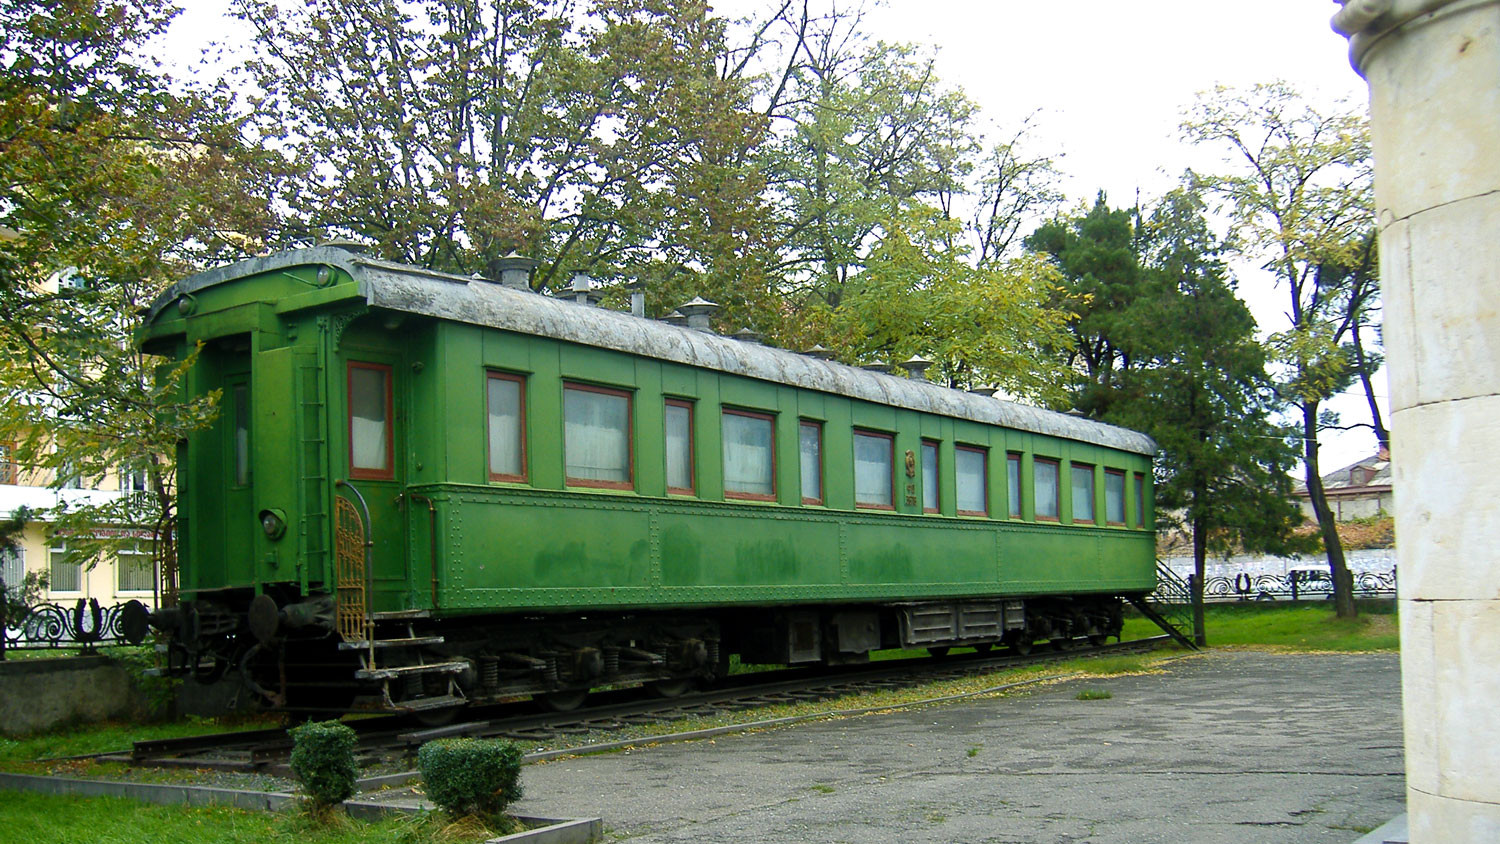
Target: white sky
[[1109, 81]]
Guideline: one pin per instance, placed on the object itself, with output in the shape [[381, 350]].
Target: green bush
[[467, 776], [323, 759]]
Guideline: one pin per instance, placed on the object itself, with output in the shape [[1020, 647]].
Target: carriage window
[[1140, 500], [1045, 488], [1083, 492], [749, 455], [679, 433], [810, 447], [929, 476], [241, 435], [596, 436], [1114, 496], [506, 401], [971, 476], [1013, 484], [371, 454], [872, 470]]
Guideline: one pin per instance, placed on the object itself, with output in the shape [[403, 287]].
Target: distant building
[[1358, 491], [129, 574]]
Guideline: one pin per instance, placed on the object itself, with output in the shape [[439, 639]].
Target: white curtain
[[679, 447], [929, 477], [747, 455], [242, 435], [810, 449], [1045, 488], [969, 471], [505, 426], [596, 435], [367, 423], [1114, 498], [1083, 493], [872, 470]]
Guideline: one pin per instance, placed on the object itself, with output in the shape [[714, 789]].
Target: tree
[[1300, 194], [1199, 387], [112, 184]]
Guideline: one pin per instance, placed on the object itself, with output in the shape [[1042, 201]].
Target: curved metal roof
[[400, 287]]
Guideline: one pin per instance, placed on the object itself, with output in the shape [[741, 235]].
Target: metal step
[[400, 615], [425, 704], [414, 641], [408, 670]]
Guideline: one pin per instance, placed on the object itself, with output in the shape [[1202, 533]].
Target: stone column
[[1433, 67]]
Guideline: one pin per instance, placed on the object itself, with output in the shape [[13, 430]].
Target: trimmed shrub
[[323, 759], [467, 776]]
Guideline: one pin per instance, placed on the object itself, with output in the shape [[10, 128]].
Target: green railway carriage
[[425, 489]]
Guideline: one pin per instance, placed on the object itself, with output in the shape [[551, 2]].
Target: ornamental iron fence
[[86, 626], [1296, 585]]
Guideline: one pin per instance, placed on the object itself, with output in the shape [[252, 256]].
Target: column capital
[[1367, 22]]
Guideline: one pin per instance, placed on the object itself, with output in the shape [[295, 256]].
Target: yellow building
[[127, 575]]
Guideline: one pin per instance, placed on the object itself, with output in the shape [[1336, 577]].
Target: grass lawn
[[110, 736], [46, 819], [1291, 626]]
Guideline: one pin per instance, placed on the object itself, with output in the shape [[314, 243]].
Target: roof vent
[[513, 271], [347, 245], [747, 335], [817, 351], [698, 313], [675, 318], [582, 284], [983, 391], [916, 367], [637, 290], [876, 367]]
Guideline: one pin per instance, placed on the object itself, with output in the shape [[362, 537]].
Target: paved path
[[1227, 747]]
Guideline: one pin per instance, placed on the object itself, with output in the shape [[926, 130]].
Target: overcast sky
[[1108, 81]]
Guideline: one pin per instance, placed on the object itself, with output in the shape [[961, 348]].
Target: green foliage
[[467, 776], [323, 759], [158, 691]]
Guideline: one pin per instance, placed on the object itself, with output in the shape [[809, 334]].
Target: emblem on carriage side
[[911, 464]]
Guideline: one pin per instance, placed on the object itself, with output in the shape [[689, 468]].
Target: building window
[[749, 455], [1140, 500], [971, 478], [1083, 492], [371, 446], [596, 436], [134, 568], [505, 401], [9, 473], [929, 476], [12, 566], [1013, 484], [1114, 496], [810, 455], [1045, 488], [69, 476], [679, 433], [63, 570], [873, 459], [241, 408]]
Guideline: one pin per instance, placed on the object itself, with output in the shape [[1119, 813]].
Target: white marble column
[[1433, 67]]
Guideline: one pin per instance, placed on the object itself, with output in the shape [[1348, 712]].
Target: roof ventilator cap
[[637, 290], [983, 391], [819, 352], [346, 244], [876, 367], [747, 335], [916, 367], [513, 271], [582, 284], [698, 313], [675, 318]]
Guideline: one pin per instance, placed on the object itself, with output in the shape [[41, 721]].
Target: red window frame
[[692, 465], [1056, 489], [937, 475], [890, 441], [754, 496], [1114, 473], [629, 482], [1014, 509], [817, 428], [389, 473], [520, 381], [984, 481]]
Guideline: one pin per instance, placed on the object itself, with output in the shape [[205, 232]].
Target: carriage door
[[374, 429]]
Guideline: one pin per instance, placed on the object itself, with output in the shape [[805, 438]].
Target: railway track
[[607, 721]]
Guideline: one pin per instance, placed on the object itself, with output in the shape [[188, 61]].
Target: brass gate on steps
[[351, 545]]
